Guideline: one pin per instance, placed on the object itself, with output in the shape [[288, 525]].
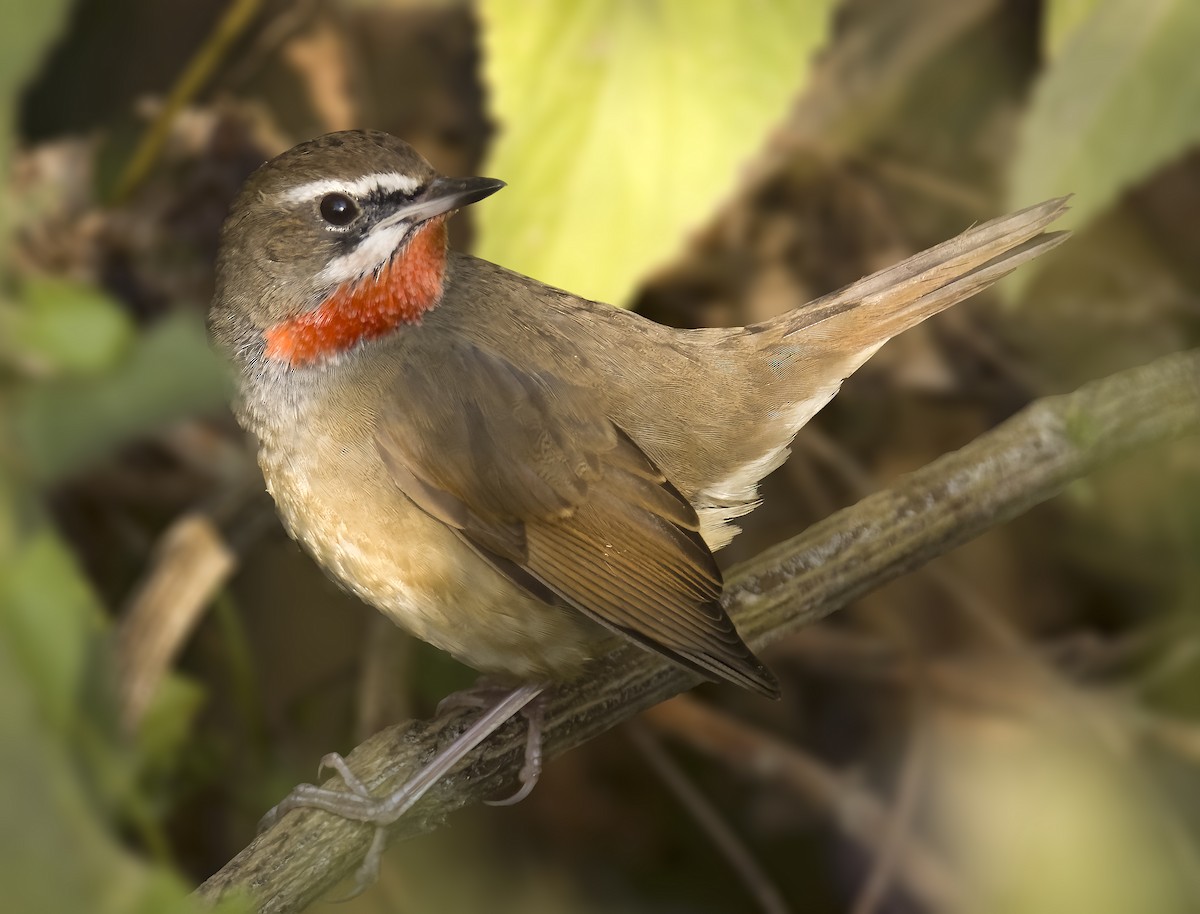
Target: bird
[[515, 474]]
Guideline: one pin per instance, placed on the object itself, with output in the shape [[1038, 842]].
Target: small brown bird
[[504, 469]]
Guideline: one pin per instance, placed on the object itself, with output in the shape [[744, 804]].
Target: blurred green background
[[1019, 718]]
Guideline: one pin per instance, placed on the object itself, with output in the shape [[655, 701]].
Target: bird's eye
[[338, 209]]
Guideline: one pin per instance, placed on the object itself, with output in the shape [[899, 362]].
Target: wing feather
[[530, 473]]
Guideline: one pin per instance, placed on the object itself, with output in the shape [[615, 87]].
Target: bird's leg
[[535, 715], [483, 694], [359, 805]]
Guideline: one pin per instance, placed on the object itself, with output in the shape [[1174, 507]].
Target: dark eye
[[338, 209]]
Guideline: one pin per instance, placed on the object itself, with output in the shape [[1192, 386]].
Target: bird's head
[[338, 240]]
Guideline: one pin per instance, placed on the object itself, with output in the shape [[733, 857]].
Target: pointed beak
[[444, 195]]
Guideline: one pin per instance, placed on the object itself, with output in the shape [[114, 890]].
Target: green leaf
[[48, 617], [67, 770], [29, 27], [64, 328], [623, 124], [167, 725], [170, 373], [1121, 100], [57, 853]]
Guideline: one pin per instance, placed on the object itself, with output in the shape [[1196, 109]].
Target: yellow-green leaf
[[1061, 19], [622, 124], [1121, 100]]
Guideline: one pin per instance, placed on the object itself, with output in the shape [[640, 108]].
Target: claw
[[525, 790], [335, 762]]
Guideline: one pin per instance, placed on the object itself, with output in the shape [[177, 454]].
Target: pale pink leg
[[535, 715], [360, 806]]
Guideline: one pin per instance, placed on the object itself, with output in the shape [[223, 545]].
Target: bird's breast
[[335, 497]]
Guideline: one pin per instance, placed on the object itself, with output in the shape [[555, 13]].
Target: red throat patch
[[408, 286]]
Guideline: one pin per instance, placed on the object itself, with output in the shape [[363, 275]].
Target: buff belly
[[417, 572]]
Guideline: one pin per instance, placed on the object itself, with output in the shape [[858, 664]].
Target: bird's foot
[[358, 804]]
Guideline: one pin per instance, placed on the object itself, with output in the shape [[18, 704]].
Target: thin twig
[[1024, 461], [200, 68], [897, 834], [854, 810], [726, 840]]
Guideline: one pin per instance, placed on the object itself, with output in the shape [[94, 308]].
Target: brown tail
[[871, 311], [796, 362]]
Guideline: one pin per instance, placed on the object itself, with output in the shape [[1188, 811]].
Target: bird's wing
[[531, 473]]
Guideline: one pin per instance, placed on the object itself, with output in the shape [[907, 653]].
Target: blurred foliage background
[[1016, 724]]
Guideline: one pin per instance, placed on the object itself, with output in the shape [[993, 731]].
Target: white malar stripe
[[388, 182], [372, 252]]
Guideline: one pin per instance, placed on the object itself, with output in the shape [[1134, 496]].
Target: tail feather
[[797, 361], [975, 281], [886, 303]]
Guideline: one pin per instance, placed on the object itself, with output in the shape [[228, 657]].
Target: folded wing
[[531, 474]]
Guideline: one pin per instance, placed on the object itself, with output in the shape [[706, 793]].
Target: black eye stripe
[[341, 210], [392, 197]]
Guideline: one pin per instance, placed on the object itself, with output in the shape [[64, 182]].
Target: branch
[[1024, 461], [191, 563]]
